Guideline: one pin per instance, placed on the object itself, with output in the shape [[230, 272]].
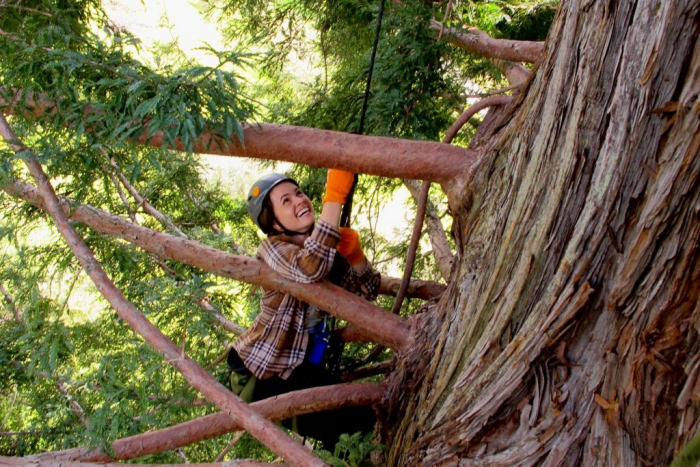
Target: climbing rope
[[347, 208]]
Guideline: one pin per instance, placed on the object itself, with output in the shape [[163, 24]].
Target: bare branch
[[412, 247], [223, 321], [265, 431], [147, 207], [480, 43], [426, 290], [203, 303], [122, 196], [75, 406], [385, 328], [516, 73], [276, 408], [319, 148], [228, 447], [436, 231], [471, 111], [374, 369]]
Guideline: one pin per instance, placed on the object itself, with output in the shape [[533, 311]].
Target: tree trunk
[[569, 332]]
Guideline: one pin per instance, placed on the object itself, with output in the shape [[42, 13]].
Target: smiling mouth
[[303, 212]]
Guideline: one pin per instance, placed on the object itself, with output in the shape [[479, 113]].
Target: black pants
[[326, 426]]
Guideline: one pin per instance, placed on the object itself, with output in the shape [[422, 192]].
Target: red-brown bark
[[264, 430], [425, 290], [569, 333], [382, 327], [480, 43], [438, 238], [211, 426], [473, 110], [318, 148]]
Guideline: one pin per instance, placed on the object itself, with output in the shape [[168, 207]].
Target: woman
[[279, 348]]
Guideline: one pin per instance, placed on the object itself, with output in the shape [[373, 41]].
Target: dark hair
[[266, 219]]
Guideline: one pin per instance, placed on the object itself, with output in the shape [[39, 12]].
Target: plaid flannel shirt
[[276, 342]]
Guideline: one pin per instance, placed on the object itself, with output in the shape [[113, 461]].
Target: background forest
[[73, 373]]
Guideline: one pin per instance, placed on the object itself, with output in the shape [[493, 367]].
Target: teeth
[[302, 212]]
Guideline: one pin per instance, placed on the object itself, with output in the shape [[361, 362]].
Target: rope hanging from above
[[347, 207]]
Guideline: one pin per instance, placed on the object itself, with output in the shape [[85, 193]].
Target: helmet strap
[[292, 233]]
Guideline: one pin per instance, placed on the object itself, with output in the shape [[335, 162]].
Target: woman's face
[[291, 207]]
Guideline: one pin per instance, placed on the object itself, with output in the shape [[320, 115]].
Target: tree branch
[[276, 408], [373, 155], [436, 231], [224, 322], [471, 111], [374, 369], [265, 431], [480, 43], [425, 290], [385, 328], [143, 202]]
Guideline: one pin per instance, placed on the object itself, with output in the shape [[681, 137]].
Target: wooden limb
[[75, 406], [228, 447], [143, 202], [516, 74], [28, 462], [223, 321], [425, 189], [203, 303], [436, 232], [425, 290], [122, 196], [385, 328], [444, 20], [480, 43], [276, 408], [318, 148], [471, 111], [265, 431], [324, 148], [412, 247], [374, 369]]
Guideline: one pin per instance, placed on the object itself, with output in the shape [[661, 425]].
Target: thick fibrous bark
[[23, 462], [265, 431], [380, 326], [425, 290], [569, 334], [211, 426], [480, 43], [318, 148]]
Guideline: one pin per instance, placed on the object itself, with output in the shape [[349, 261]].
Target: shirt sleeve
[[305, 265]]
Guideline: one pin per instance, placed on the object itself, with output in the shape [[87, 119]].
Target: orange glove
[[338, 186], [350, 247]]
